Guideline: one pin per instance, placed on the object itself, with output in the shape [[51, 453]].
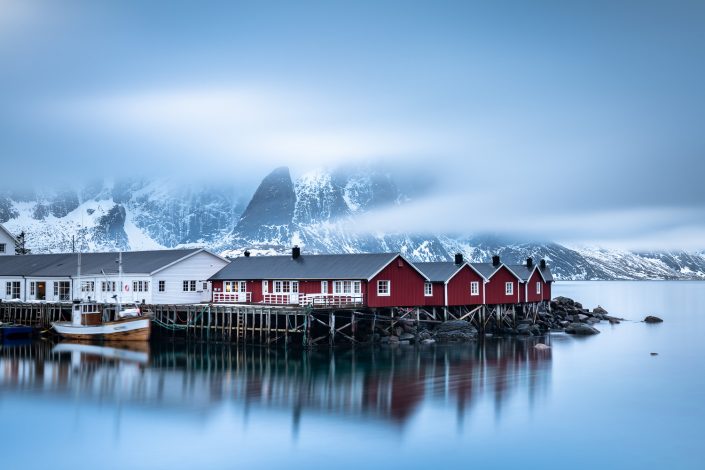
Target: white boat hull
[[133, 329]]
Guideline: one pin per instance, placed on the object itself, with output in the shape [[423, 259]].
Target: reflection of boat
[[121, 323], [134, 352]]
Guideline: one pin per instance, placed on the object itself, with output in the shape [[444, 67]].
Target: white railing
[[281, 299], [232, 297], [331, 300]]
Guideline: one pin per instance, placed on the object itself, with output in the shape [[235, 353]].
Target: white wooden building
[[7, 242], [155, 277]]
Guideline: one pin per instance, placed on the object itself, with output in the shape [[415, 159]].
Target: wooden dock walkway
[[287, 325]]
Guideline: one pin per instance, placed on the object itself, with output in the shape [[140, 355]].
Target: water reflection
[[389, 385]]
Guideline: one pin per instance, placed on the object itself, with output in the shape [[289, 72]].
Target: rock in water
[[599, 310], [581, 329], [654, 354], [542, 347], [455, 330], [653, 319]]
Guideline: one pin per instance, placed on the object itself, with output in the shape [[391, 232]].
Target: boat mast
[[119, 303], [78, 276]]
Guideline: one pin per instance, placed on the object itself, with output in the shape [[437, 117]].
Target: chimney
[[495, 260], [529, 262], [458, 259], [247, 253], [295, 252], [543, 264]]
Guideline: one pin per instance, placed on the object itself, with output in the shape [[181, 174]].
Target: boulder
[[652, 319], [599, 311], [581, 329], [581, 317], [393, 339], [406, 337], [455, 330], [428, 341], [542, 347]]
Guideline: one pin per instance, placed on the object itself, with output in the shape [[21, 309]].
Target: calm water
[[597, 402]]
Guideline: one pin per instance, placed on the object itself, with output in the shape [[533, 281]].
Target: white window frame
[[87, 286], [538, 287], [428, 289], [64, 286], [388, 288], [32, 288], [188, 286], [324, 287], [508, 288], [357, 287], [13, 289], [474, 288], [286, 287], [265, 287]]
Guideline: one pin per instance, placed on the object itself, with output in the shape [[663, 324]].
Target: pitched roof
[[525, 272], [66, 264], [346, 266], [486, 269], [439, 271], [14, 238]]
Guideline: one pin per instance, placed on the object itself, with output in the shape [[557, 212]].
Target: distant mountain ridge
[[312, 211]]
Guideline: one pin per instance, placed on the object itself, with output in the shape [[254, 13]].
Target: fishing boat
[[119, 322]]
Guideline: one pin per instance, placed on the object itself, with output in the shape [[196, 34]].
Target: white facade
[[192, 272], [7, 242]]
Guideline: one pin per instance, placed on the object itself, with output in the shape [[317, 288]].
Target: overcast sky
[[582, 122]]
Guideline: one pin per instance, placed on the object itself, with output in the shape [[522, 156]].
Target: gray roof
[[347, 266], [66, 264], [486, 269], [525, 273], [438, 271]]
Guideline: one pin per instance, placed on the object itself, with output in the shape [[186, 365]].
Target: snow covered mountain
[[313, 211]]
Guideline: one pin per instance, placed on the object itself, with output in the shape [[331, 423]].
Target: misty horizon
[[576, 124]]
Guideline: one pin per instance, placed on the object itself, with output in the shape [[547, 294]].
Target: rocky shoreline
[[565, 315]]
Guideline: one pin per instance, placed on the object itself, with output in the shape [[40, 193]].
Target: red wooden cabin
[[369, 280]]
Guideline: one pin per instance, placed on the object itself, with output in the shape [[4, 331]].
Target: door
[[41, 291]]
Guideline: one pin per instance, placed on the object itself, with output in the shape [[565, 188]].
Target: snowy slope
[[314, 212]]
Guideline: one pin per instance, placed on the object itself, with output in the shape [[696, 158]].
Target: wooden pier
[[288, 325]]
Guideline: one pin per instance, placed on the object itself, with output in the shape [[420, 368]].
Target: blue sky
[[576, 121]]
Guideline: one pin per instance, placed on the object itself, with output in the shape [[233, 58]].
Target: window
[[286, 287], [162, 286], [347, 287], [509, 288], [62, 290], [383, 288], [205, 286], [87, 286], [107, 286], [12, 290], [324, 287], [189, 286], [428, 289], [3, 247], [474, 288], [538, 287], [32, 288], [140, 286], [265, 287], [233, 286]]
